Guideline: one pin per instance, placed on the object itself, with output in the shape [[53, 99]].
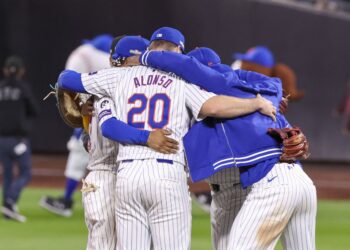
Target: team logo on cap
[[159, 35], [135, 52]]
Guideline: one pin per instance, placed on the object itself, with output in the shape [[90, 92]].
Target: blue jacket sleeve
[[188, 68], [116, 130], [259, 83], [71, 80]]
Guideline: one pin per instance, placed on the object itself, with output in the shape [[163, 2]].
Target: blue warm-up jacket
[[215, 144]]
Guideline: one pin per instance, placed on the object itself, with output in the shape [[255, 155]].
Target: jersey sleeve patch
[[104, 113], [104, 109]]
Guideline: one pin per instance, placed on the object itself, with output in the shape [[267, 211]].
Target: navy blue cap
[[130, 46], [171, 35], [209, 58], [101, 42], [260, 55]]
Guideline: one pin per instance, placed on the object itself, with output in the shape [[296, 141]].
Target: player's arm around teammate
[[219, 106], [99, 185], [99, 84], [228, 197]]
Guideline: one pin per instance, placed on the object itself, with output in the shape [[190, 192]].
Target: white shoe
[[12, 213]]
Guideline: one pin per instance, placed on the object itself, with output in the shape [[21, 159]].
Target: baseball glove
[[68, 104], [295, 144]]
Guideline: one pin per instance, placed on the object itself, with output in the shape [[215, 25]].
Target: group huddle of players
[[159, 114]]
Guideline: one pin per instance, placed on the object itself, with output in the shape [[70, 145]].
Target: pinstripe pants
[[99, 210], [224, 208], [282, 204], [153, 208]]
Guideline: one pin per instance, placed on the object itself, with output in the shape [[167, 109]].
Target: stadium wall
[[315, 44]]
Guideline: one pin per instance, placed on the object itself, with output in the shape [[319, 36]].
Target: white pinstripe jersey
[[147, 98], [103, 152]]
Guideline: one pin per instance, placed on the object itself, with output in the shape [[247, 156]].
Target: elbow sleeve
[[71, 80], [119, 131]]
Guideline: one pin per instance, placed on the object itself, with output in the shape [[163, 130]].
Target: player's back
[[86, 58], [151, 99]]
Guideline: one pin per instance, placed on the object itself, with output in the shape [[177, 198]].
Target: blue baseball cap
[[205, 55], [171, 35], [101, 42], [130, 46], [260, 55], [209, 58]]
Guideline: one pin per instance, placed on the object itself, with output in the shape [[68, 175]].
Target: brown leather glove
[[295, 144]]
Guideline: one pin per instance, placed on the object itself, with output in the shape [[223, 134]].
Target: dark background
[[314, 44]]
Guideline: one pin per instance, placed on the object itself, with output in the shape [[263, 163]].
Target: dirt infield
[[332, 180]]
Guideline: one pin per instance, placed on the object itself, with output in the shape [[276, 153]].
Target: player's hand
[[133, 60], [284, 104], [87, 109], [160, 142], [266, 107]]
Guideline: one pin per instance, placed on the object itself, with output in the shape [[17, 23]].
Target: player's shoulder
[[110, 71], [168, 74]]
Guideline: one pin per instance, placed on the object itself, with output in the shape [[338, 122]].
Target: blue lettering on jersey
[[152, 80]]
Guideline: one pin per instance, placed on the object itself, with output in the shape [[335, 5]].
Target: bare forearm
[[229, 107]]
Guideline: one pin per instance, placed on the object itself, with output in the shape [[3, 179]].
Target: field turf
[[47, 231]]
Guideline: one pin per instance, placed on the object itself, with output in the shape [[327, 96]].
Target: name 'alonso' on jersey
[[146, 98]]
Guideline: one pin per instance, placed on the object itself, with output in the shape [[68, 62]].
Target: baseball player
[[153, 202], [282, 193], [91, 56], [99, 185]]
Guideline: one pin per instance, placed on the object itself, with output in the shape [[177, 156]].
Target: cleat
[[57, 206]]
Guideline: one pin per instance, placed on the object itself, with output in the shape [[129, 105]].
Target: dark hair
[[14, 64], [118, 62], [114, 43], [14, 67]]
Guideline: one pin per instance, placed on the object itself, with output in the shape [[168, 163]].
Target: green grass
[[46, 231]]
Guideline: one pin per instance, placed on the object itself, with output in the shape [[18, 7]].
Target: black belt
[[214, 187], [158, 160]]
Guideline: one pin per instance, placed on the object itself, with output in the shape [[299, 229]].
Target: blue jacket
[[215, 144]]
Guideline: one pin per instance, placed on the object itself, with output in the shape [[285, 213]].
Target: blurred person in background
[[92, 55], [343, 109], [17, 109], [260, 59]]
